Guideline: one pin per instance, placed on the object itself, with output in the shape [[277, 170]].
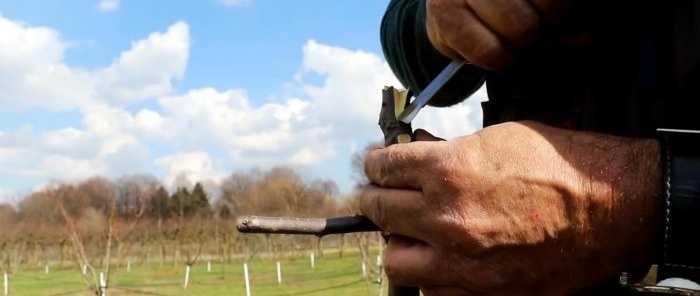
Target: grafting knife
[[429, 92], [321, 226]]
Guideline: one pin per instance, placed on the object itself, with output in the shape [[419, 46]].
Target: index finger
[[459, 31], [401, 165], [398, 211]]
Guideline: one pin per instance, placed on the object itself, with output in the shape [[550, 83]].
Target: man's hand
[[487, 32], [515, 209]]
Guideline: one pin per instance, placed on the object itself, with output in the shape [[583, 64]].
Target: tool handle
[[309, 226]]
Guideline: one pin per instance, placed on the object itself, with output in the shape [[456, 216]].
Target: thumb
[[423, 135]]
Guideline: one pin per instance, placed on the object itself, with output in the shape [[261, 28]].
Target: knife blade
[[429, 92]]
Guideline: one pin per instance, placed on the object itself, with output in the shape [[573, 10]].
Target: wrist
[[677, 264], [645, 205], [623, 183]]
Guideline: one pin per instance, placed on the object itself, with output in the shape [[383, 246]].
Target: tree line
[[98, 221], [97, 224], [278, 191]]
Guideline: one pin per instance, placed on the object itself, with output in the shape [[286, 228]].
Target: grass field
[[330, 276]]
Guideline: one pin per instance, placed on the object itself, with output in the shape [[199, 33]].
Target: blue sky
[[192, 90]]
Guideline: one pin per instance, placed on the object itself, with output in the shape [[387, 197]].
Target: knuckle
[[387, 163], [374, 165], [374, 207], [391, 271], [492, 54], [434, 6], [521, 25], [392, 268], [445, 171], [524, 32]]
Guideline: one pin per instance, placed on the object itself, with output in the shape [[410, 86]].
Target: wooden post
[[279, 273], [103, 284], [187, 276], [6, 281], [247, 279]]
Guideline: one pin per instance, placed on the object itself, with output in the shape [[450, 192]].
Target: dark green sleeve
[[414, 60]]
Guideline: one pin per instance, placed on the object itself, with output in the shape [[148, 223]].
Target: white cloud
[[113, 127], [32, 73], [298, 130], [350, 95], [235, 2], [269, 134], [301, 130], [146, 70], [15, 149], [213, 132], [70, 142], [193, 166], [67, 168], [149, 123], [311, 155], [8, 153], [108, 5]]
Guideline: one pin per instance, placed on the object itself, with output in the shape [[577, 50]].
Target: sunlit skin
[[518, 208], [488, 33]]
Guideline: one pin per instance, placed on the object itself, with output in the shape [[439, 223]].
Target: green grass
[[331, 276]]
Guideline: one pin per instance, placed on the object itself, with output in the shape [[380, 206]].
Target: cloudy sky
[[192, 88]]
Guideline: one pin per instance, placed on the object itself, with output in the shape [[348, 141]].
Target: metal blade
[[429, 92]]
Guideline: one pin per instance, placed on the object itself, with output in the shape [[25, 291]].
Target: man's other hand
[[487, 33]]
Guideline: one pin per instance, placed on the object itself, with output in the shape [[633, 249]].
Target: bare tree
[[86, 224], [100, 192], [357, 163], [191, 237], [132, 201], [133, 193], [236, 190], [80, 254], [9, 238], [8, 217]]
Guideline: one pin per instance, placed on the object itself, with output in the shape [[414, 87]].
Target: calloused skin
[[518, 208]]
